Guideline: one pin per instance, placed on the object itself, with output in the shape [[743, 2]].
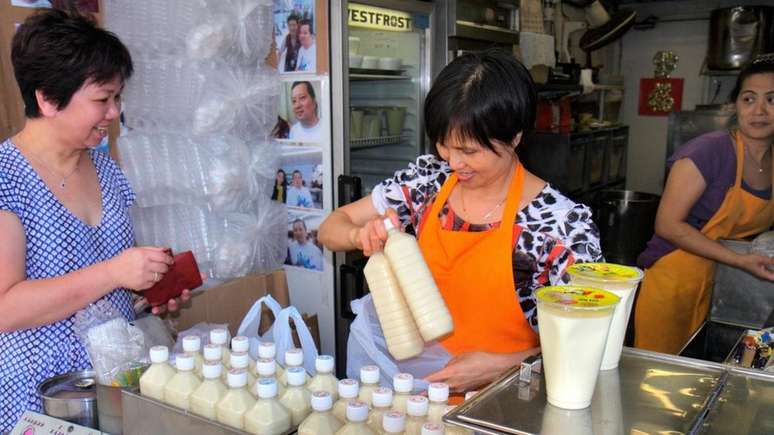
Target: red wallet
[[183, 274]]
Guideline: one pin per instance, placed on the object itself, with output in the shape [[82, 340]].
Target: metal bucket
[[739, 33], [71, 397], [625, 220]]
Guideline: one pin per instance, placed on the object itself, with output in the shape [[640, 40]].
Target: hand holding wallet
[[182, 274]]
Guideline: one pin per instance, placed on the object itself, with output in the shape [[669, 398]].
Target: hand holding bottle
[[370, 237]]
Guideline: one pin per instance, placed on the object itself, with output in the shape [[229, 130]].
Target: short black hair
[[57, 51], [301, 221], [484, 96], [307, 22], [293, 17], [309, 88], [762, 64]]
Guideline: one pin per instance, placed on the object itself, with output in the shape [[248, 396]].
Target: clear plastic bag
[[202, 330]]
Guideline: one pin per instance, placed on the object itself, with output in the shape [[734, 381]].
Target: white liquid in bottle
[[324, 379], [293, 358], [348, 389], [266, 370], [240, 343], [209, 393], [422, 296], [369, 382], [400, 331], [438, 393], [382, 404], [357, 414], [240, 360], [153, 381], [267, 416], [402, 383], [432, 429], [454, 429], [232, 408], [178, 390], [297, 399], [321, 421], [192, 345], [219, 337], [268, 350], [416, 409], [394, 422]]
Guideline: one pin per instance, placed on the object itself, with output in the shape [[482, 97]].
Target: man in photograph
[[290, 45], [299, 195], [304, 103], [307, 53], [302, 251]]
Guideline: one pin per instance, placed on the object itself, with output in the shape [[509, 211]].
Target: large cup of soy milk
[[573, 322], [619, 280]]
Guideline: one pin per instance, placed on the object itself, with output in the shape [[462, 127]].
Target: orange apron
[[474, 273], [675, 294]]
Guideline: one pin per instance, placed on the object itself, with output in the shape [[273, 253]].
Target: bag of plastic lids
[[283, 337], [234, 30], [366, 346], [252, 322]]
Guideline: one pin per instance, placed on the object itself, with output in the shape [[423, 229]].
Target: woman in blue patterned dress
[[64, 224]]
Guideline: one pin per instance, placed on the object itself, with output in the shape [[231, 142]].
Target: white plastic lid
[[438, 392], [403, 383], [237, 378], [266, 388], [357, 411], [394, 422], [184, 362], [212, 352], [417, 406], [265, 367], [211, 369], [239, 360], [369, 374], [348, 388], [470, 394], [159, 354], [388, 225], [432, 429], [219, 336], [324, 363], [294, 357], [192, 343], [381, 397], [267, 349], [240, 343], [322, 401], [296, 376]]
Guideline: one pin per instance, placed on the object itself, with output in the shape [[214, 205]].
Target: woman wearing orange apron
[[491, 232], [680, 261]]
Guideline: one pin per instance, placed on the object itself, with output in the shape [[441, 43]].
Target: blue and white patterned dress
[[57, 243]]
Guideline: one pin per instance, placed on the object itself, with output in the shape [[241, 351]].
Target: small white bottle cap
[[239, 360], [211, 369], [432, 429], [159, 354], [403, 383], [470, 394], [212, 352], [296, 376], [266, 367], [192, 343], [394, 422], [369, 374], [266, 388], [237, 378], [267, 349], [438, 392], [324, 364], [240, 343], [388, 225], [322, 401], [219, 336], [348, 388], [417, 406], [294, 357], [184, 362], [381, 397], [357, 411]]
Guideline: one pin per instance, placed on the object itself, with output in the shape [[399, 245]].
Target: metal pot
[[71, 397], [738, 34], [625, 220]]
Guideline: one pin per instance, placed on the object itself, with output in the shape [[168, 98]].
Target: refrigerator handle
[[352, 287], [350, 189]]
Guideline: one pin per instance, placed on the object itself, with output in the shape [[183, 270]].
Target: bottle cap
[[403, 383], [237, 378], [211, 369], [212, 352], [369, 374], [296, 376], [357, 411], [267, 349], [381, 397], [266, 367], [294, 357], [388, 225], [159, 354], [266, 388], [192, 343], [239, 360], [348, 388], [470, 394], [323, 364], [438, 392], [417, 406], [240, 343], [432, 429], [394, 422], [184, 362], [322, 401], [219, 336]]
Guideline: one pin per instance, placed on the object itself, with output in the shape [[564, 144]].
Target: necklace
[[489, 213], [759, 163], [63, 179]]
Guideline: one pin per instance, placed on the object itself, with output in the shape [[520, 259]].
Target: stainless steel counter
[[745, 406]]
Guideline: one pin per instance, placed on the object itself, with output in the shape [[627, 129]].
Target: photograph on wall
[[299, 181], [304, 250], [300, 112], [294, 36]]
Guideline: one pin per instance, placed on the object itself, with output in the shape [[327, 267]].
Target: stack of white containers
[[198, 113]]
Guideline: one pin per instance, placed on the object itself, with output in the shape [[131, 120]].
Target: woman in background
[[280, 191]]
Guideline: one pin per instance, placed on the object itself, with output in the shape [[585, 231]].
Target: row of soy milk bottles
[[261, 397]]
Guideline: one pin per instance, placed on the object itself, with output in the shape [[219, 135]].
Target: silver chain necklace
[[760, 164], [63, 179], [489, 213]]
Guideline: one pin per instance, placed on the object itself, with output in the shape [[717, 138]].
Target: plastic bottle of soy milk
[[154, 379], [357, 414], [369, 381], [297, 399], [240, 343], [416, 410], [232, 408], [192, 345], [381, 404], [267, 416], [293, 358], [422, 296], [324, 379], [268, 350], [219, 337], [400, 331], [210, 391], [348, 390], [393, 423], [402, 383], [438, 394], [265, 368], [178, 390], [321, 421], [452, 429], [432, 429]]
